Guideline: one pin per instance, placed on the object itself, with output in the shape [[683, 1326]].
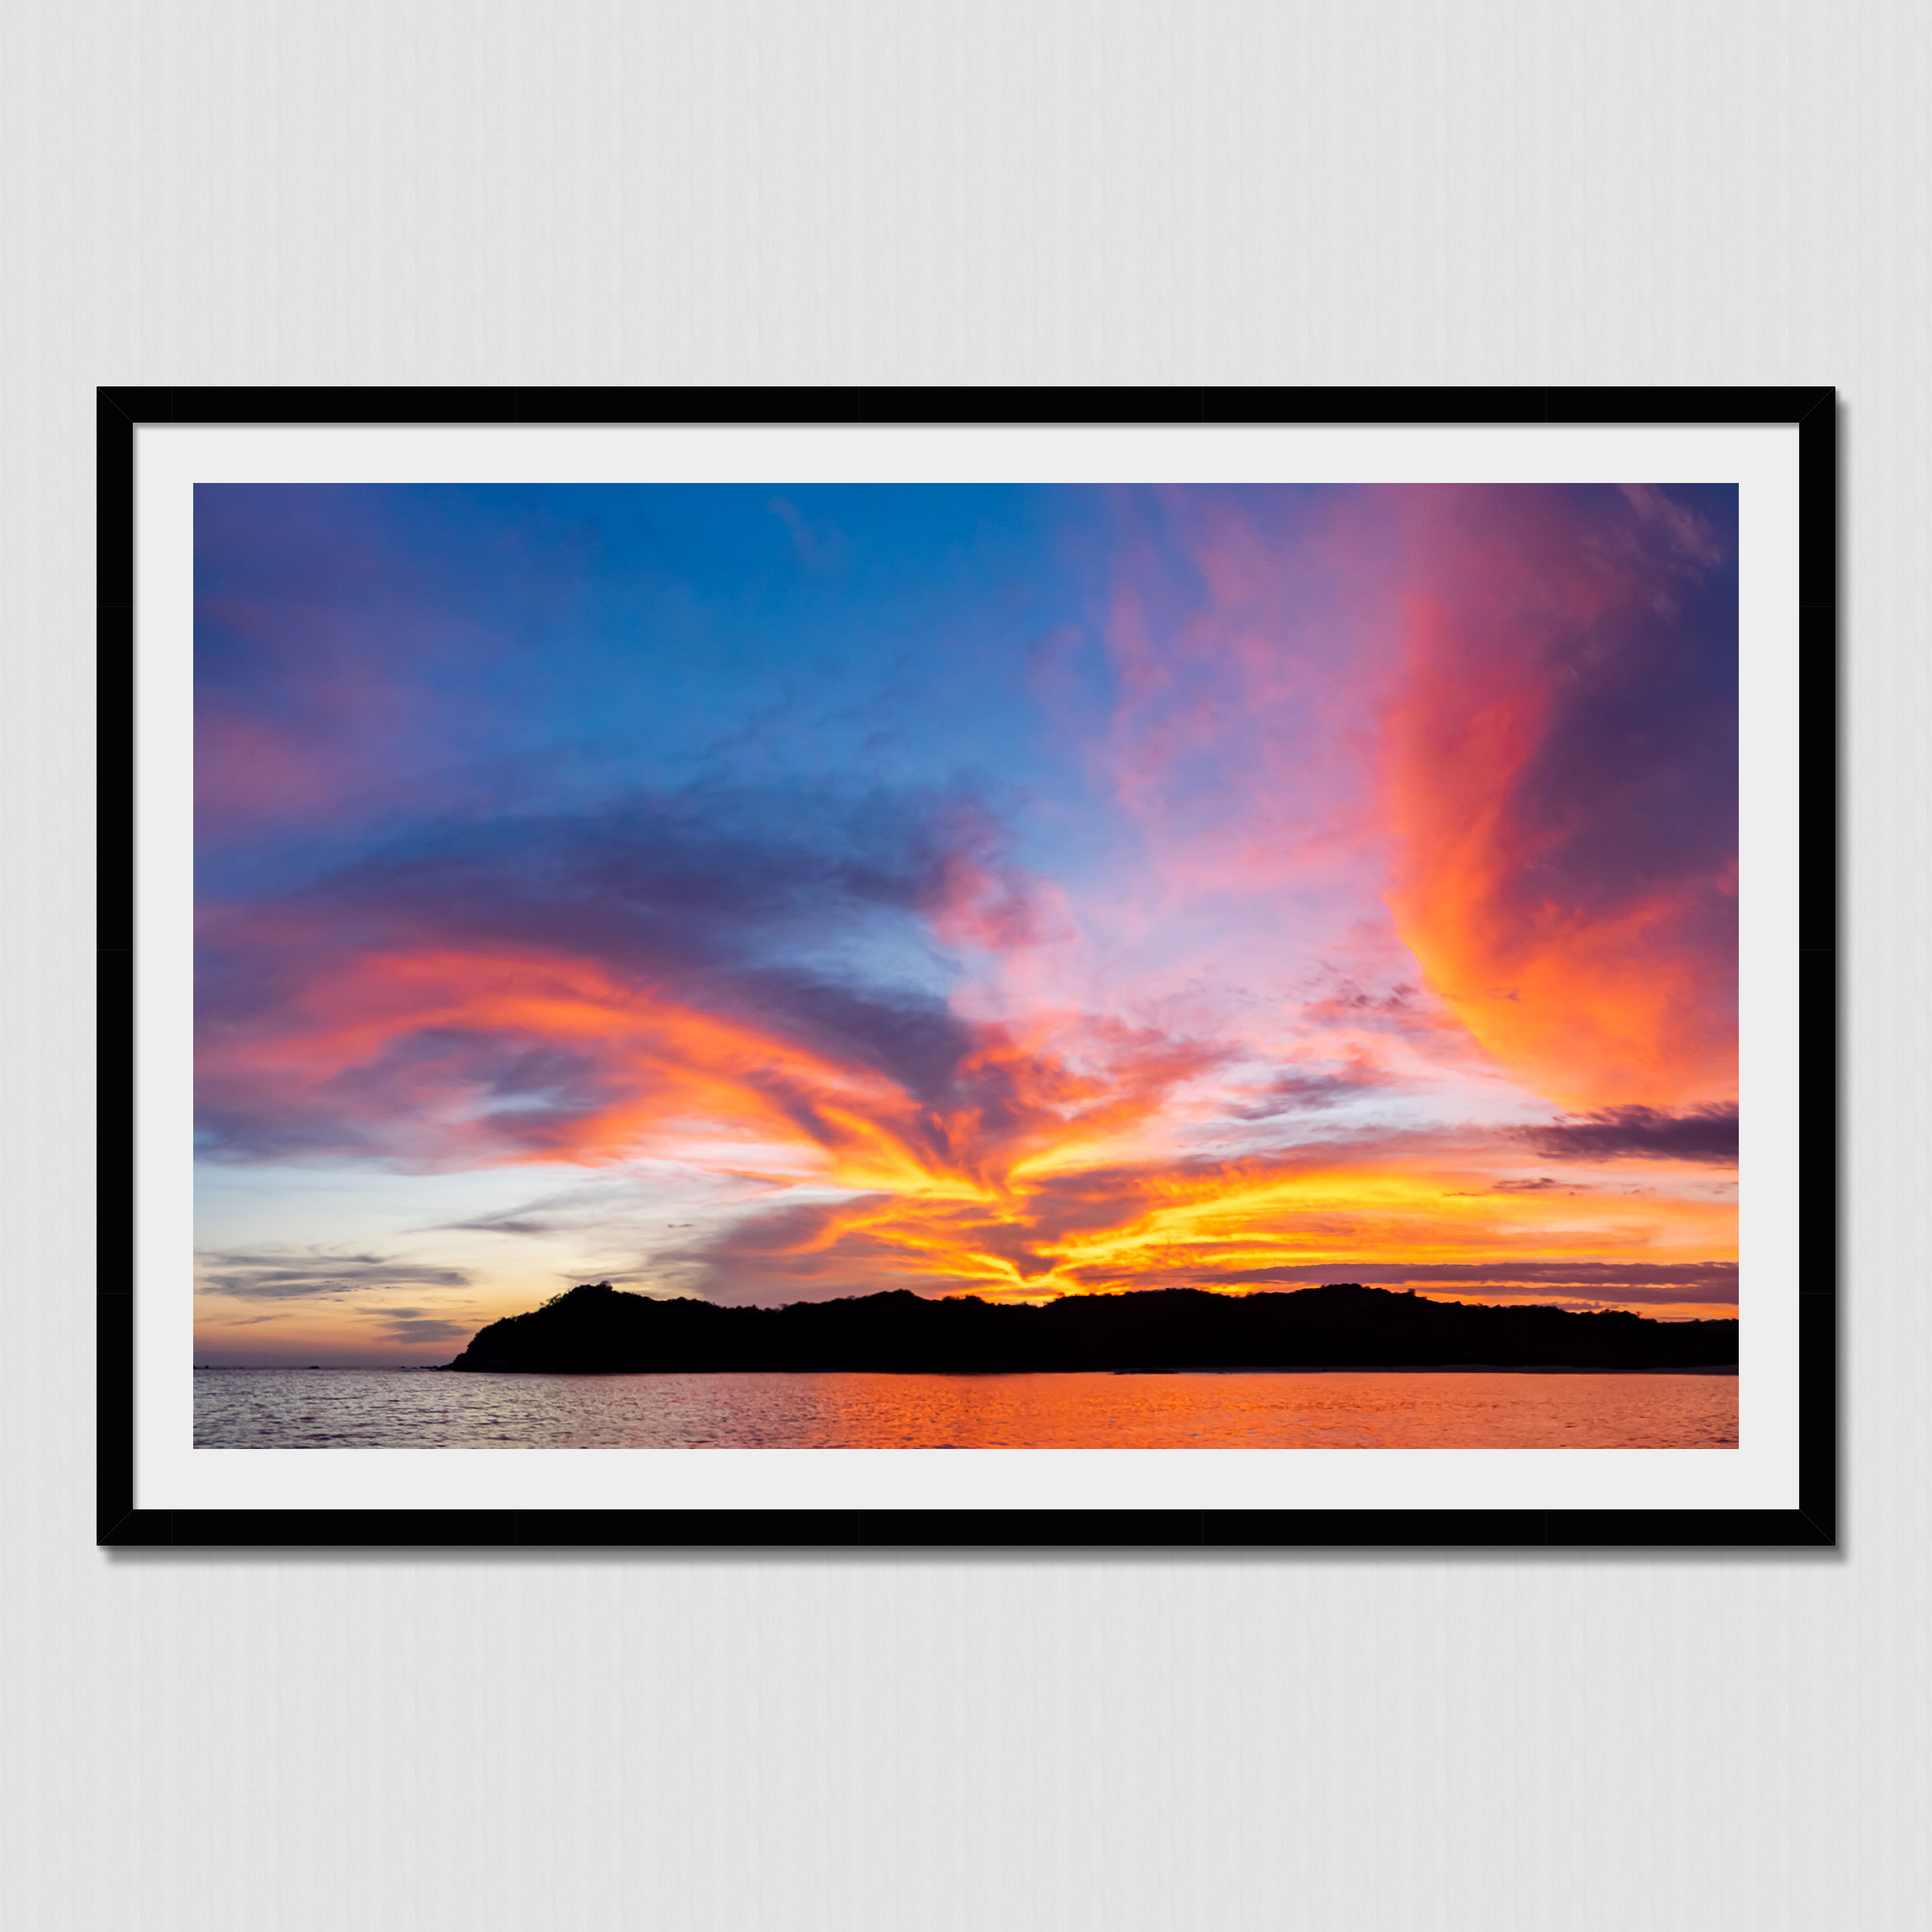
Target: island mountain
[[598, 1329]]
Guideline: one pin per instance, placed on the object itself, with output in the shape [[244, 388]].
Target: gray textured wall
[[977, 191]]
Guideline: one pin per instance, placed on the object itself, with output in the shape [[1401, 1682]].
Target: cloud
[[500, 1224], [1296, 1091], [1664, 1284], [1351, 1208], [315, 1276], [439, 1002], [1401, 1010], [405, 1324], [1246, 635], [1567, 1273], [1708, 1133], [1562, 772], [1542, 1184], [704, 977], [818, 549]]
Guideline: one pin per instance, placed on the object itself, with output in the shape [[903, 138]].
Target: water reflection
[[287, 1408]]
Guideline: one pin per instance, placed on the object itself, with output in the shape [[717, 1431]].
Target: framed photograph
[[1260, 962]]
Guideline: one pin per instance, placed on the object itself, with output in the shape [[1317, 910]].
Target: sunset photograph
[[969, 965]]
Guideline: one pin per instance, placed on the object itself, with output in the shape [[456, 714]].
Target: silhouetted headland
[[597, 1330]]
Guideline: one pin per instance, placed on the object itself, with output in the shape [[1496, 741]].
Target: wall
[[975, 190]]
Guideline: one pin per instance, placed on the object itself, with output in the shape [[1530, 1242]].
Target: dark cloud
[[703, 879], [1635, 782], [1542, 1184], [259, 1277], [753, 907], [1569, 1274], [561, 1210], [499, 1225], [1709, 1282], [1640, 1133], [1300, 1092], [1402, 1010], [274, 1258], [408, 1325]]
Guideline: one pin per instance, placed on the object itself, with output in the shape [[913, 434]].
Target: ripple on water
[[363, 1409]]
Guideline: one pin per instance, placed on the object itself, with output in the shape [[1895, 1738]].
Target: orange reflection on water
[[1332, 1409]]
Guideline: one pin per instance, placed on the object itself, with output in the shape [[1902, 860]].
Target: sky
[[774, 893]]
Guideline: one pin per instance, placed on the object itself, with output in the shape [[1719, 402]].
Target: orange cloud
[[417, 1039], [1562, 790], [1051, 1169]]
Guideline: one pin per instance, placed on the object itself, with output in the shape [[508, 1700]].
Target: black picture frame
[[1812, 1523]]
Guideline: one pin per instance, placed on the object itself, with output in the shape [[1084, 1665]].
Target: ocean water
[[360, 1408]]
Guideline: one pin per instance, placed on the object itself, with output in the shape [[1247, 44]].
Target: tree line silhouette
[[596, 1329]]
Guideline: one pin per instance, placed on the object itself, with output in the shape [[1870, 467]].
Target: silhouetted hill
[[598, 1329]]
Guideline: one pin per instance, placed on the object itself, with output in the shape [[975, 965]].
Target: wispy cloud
[[413, 1324], [316, 1275], [1708, 1133], [500, 1224], [1561, 753]]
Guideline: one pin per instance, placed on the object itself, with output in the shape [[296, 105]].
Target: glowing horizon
[[773, 893]]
